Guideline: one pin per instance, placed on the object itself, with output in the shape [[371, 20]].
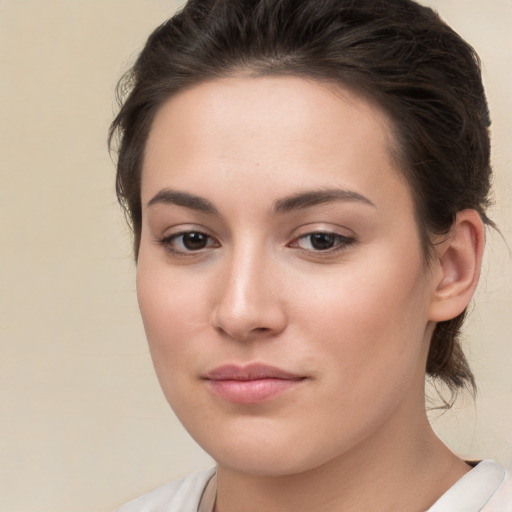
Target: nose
[[250, 302]]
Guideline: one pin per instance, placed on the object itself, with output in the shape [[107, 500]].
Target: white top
[[486, 488]]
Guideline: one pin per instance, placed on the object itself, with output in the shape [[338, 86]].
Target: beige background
[[83, 423]]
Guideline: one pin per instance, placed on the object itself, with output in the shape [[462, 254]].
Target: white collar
[[473, 491], [209, 495], [469, 494]]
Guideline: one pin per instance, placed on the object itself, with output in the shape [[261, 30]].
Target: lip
[[250, 384]]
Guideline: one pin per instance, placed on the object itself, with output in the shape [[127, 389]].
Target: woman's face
[[280, 277]]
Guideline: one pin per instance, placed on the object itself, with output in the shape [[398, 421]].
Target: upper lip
[[255, 371]]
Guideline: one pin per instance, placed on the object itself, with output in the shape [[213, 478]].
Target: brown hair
[[395, 52]]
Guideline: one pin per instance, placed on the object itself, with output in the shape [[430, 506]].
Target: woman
[[307, 184]]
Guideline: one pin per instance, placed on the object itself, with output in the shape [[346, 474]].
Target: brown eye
[[194, 241], [322, 241]]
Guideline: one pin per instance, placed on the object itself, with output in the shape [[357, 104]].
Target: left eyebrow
[[312, 198]]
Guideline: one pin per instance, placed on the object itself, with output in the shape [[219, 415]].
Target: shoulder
[[179, 496]]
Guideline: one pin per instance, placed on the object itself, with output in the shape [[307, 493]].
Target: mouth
[[251, 384]]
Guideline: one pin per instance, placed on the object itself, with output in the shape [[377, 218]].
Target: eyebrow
[[312, 198], [190, 201], [299, 201]]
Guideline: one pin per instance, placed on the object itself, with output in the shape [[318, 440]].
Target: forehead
[[277, 105], [269, 130]]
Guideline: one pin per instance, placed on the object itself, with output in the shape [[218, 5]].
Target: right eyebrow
[[190, 201]]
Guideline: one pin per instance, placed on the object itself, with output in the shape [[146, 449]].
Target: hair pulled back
[[394, 52]]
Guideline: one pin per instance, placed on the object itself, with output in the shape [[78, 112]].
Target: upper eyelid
[[322, 227], [183, 228], [310, 233]]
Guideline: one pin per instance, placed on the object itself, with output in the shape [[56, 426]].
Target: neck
[[399, 468]]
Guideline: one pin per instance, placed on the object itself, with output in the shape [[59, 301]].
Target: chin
[[253, 449], [267, 452], [266, 462]]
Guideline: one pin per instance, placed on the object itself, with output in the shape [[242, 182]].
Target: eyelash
[[341, 243]]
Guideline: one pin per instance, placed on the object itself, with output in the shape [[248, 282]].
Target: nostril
[[244, 331]]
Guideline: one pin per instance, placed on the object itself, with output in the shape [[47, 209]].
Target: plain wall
[[83, 423]]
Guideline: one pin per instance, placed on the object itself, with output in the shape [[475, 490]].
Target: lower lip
[[252, 391]]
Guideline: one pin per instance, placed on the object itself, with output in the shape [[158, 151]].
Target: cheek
[[371, 344], [172, 315], [370, 321]]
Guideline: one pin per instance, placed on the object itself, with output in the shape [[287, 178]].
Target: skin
[[352, 321]]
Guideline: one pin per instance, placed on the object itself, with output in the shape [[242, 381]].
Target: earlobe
[[458, 261]]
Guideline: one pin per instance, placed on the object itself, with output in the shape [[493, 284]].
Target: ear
[[457, 266]]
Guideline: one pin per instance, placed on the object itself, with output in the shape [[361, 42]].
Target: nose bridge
[[248, 300]]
